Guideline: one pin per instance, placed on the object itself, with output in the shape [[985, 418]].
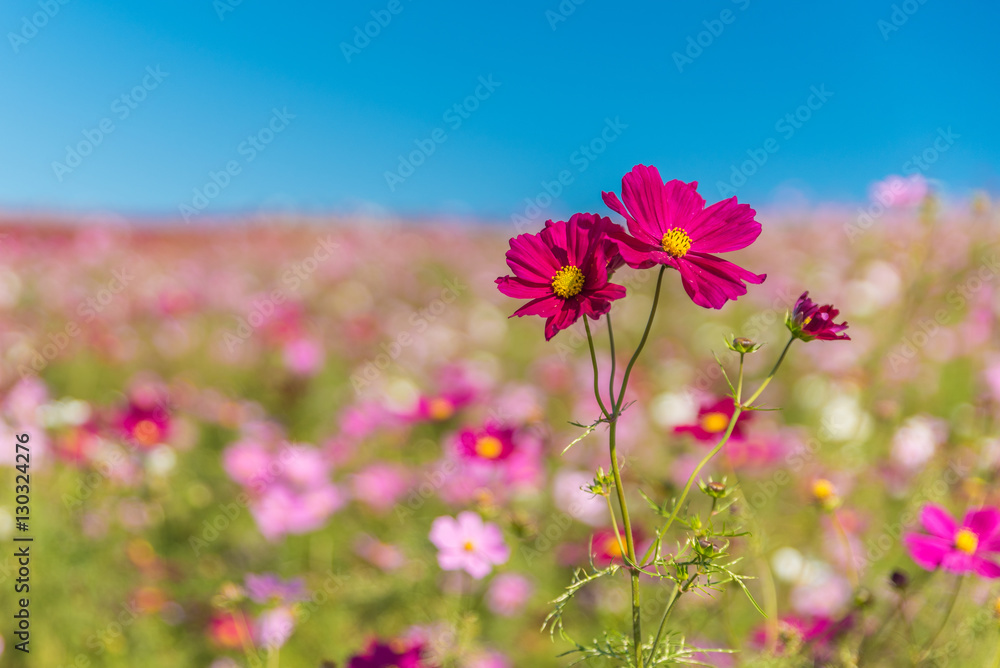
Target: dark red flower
[[809, 321], [713, 419], [671, 226], [564, 270]]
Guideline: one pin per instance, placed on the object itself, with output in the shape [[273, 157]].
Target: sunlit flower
[[713, 420], [564, 271], [809, 321], [467, 543], [958, 549], [671, 226]]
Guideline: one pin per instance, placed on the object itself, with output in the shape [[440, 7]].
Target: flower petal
[[983, 522], [529, 258], [986, 568], [544, 306], [568, 313], [711, 281], [519, 288], [725, 226], [938, 522], [658, 206], [927, 551]]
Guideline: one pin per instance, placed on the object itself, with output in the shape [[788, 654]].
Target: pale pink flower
[[508, 593], [469, 544]]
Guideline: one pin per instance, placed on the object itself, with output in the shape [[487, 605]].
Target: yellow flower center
[[966, 541], [676, 242], [823, 489], [714, 423], [613, 548], [146, 432], [568, 281], [489, 447], [440, 408], [468, 547]]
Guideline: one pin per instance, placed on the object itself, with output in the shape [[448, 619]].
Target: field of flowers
[[324, 443]]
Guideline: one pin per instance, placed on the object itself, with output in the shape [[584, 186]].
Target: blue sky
[[265, 99]]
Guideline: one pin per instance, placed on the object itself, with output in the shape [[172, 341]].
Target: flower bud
[[742, 345]]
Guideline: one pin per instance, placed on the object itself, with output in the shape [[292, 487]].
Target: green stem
[[774, 370], [944, 620], [714, 451], [611, 341], [642, 342], [614, 525], [593, 359], [663, 620], [629, 544]]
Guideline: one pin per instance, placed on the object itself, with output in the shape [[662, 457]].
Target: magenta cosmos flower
[[671, 226], [394, 654], [809, 321], [466, 543], [713, 419], [489, 444], [564, 270], [145, 426], [959, 549]]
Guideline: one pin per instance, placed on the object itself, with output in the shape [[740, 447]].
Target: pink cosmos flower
[[303, 356], [818, 632], [274, 627], [809, 321], [713, 419], [606, 549], [564, 270], [508, 594], [489, 444], [467, 543], [381, 485], [266, 587], [670, 225], [958, 549], [900, 191]]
